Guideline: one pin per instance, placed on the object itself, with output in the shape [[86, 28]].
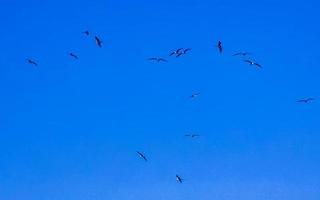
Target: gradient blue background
[[69, 129]]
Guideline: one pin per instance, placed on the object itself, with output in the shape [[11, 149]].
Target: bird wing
[[257, 64]]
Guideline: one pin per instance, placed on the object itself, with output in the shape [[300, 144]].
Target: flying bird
[[158, 59], [253, 63], [179, 179], [32, 62], [98, 41], [220, 46], [183, 52], [195, 95], [73, 55], [176, 52], [192, 135], [86, 33], [142, 156], [241, 54], [305, 100]]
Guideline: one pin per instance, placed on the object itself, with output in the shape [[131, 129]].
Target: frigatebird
[[220, 46], [98, 41], [179, 179], [86, 33], [73, 55], [194, 95], [183, 52], [192, 135], [253, 63], [241, 54], [305, 100], [158, 59], [32, 62], [176, 52], [142, 156]]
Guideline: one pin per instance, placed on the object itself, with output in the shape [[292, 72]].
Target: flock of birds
[[177, 53]]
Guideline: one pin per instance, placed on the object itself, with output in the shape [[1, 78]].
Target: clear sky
[[70, 129]]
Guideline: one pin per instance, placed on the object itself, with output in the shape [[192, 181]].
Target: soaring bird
[[158, 59], [194, 95], [253, 63], [179, 179], [220, 46], [142, 156], [73, 55], [86, 33], [98, 41], [241, 54], [305, 100], [183, 52], [176, 52], [192, 135], [32, 62]]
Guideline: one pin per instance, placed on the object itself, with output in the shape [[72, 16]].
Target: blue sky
[[70, 129]]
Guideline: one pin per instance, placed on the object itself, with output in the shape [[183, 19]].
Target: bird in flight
[[98, 41], [241, 54], [179, 179], [158, 59], [305, 100], [253, 63], [86, 33], [183, 52], [73, 55], [142, 156], [192, 135], [220, 46], [194, 95], [176, 52], [32, 62]]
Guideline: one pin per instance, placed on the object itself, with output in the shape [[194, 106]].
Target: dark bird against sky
[[253, 63], [32, 62], [158, 59], [74, 55], [98, 41], [192, 135], [86, 33], [142, 156], [220, 46], [179, 179], [194, 95], [305, 100], [241, 54], [176, 52]]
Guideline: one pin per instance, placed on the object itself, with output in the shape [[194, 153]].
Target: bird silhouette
[[74, 55], [253, 63], [86, 33], [241, 54], [179, 179], [142, 156], [192, 135], [32, 62], [183, 52], [158, 59], [194, 95], [176, 52], [220, 46], [305, 100], [98, 41]]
